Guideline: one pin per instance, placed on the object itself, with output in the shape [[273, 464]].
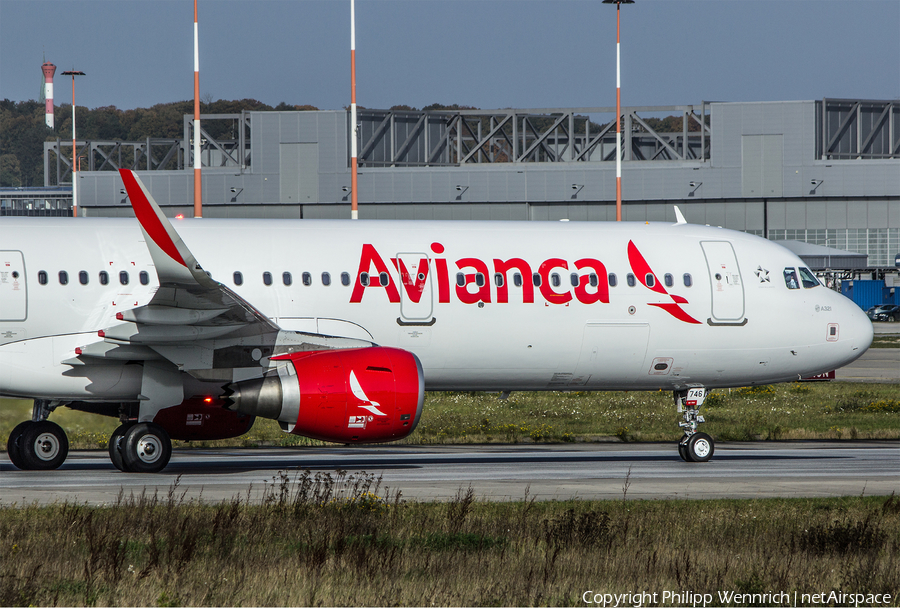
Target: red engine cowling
[[199, 418], [363, 395]]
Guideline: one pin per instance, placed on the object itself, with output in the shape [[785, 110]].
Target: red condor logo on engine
[[474, 286]]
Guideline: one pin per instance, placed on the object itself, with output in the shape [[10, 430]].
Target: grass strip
[[826, 410]]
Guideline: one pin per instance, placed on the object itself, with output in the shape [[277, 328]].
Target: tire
[[13, 445], [700, 447], [43, 446], [115, 446], [146, 448], [682, 451]]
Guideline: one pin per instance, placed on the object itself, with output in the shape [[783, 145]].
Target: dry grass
[[343, 540]]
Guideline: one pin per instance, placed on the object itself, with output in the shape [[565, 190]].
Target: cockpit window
[[790, 278], [807, 278]]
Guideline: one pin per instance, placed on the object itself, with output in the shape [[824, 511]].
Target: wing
[[193, 321]]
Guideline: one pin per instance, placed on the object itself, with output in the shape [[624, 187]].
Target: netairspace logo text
[[733, 598]]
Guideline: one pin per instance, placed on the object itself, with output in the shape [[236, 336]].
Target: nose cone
[[856, 330]]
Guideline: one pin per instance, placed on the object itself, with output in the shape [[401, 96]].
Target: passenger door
[[13, 292], [725, 279]]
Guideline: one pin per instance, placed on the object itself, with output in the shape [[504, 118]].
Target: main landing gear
[[38, 444], [41, 445], [143, 447], [694, 446]]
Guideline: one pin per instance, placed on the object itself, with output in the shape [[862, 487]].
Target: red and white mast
[[49, 70], [354, 200], [198, 183]]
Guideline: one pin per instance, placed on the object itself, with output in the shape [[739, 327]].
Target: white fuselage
[[736, 323]]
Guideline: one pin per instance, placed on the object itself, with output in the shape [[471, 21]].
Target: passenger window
[[517, 279], [286, 278], [383, 279], [460, 279], [267, 278], [83, 277], [790, 278], [594, 280], [650, 279], [479, 279], [42, 277], [613, 279], [104, 277], [536, 279], [364, 279], [326, 279], [669, 280], [688, 280], [63, 277], [123, 277], [345, 279], [307, 279], [631, 280], [808, 278], [555, 280], [573, 278], [238, 278], [144, 277], [498, 279]]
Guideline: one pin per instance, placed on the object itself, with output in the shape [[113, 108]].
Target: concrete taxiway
[[557, 472]]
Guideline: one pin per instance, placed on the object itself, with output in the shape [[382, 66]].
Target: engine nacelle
[[200, 418], [363, 395]]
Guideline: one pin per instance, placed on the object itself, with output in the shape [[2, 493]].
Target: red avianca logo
[[474, 279]]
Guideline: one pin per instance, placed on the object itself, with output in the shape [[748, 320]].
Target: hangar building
[[823, 172]]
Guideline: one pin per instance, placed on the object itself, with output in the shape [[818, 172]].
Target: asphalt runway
[[556, 472]]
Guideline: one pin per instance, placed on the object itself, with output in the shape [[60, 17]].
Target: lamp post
[[618, 3], [354, 134], [73, 74]]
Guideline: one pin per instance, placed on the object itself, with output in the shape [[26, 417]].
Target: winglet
[[679, 219], [173, 260]]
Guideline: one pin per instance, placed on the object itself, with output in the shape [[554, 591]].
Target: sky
[[488, 54]]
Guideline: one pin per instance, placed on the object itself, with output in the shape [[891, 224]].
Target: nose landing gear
[[694, 446]]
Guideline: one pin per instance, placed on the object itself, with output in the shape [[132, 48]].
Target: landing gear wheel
[[700, 447], [115, 446], [13, 448], [146, 448], [43, 446], [682, 451]]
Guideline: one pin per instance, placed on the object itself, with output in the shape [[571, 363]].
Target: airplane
[[337, 328]]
